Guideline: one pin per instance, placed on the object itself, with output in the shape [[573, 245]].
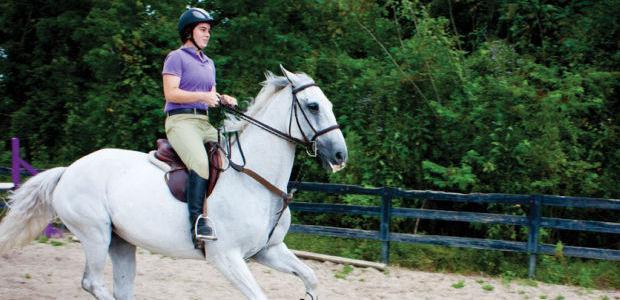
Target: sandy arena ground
[[44, 271]]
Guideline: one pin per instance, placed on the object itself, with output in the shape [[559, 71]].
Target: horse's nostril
[[339, 157]]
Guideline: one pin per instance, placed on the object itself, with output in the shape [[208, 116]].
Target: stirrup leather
[[208, 223]]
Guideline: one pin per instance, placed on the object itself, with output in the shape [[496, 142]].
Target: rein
[[261, 125]]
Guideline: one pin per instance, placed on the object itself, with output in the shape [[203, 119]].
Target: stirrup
[[212, 237]]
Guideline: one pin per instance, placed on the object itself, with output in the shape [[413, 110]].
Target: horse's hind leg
[[95, 239], [282, 259], [235, 269], [90, 223], [123, 255]]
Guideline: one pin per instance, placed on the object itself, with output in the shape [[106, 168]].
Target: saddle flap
[[215, 165], [176, 177]]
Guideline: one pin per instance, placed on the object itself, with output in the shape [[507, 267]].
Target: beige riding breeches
[[187, 134]]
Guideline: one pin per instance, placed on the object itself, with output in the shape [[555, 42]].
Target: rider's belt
[[193, 111]]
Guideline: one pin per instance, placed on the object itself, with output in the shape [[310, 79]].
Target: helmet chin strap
[[194, 42]]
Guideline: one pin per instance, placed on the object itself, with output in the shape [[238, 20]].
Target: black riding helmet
[[189, 19]]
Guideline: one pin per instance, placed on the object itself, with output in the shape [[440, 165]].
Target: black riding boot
[[195, 193]]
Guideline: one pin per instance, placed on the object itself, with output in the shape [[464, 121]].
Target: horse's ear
[[287, 74]]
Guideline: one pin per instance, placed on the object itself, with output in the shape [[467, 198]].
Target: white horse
[[114, 200]]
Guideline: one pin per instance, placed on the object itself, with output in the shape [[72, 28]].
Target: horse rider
[[190, 90]]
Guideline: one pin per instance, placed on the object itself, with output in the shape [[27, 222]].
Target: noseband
[[308, 144]]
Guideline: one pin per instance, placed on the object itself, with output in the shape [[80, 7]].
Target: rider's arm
[[173, 93]]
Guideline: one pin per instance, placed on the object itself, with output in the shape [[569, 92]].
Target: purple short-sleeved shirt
[[197, 75]]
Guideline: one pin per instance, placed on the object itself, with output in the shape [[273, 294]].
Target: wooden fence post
[[532, 239], [384, 229]]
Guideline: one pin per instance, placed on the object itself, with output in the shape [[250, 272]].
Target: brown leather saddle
[[176, 178]]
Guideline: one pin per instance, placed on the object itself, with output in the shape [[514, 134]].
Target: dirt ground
[[54, 270]]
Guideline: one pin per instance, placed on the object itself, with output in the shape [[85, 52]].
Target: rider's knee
[[201, 168]]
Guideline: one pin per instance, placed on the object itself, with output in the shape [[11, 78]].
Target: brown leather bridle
[[308, 144]]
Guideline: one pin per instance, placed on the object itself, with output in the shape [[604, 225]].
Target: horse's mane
[[271, 86]]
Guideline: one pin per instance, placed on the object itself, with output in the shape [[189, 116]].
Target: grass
[[45, 240], [56, 243], [459, 284], [527, 282], [342, 274], [508, 277], [509, 266], [487, 287]]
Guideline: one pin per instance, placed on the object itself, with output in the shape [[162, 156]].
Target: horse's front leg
[[282, 259], [234, 268]]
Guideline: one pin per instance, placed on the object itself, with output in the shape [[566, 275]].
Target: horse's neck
[[266, 154]]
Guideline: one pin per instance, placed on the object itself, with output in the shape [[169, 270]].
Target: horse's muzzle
[[334, 157]]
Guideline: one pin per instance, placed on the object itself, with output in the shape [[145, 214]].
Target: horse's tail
[[30, 210]]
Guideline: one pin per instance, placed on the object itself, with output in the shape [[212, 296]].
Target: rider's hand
[[228, 100], [210, 98]]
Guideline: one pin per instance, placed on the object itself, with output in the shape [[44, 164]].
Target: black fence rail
[[533, 221]]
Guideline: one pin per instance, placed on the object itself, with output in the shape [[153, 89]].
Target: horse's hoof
[[311, 297]]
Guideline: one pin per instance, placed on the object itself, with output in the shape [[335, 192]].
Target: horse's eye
[[313, 107]]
